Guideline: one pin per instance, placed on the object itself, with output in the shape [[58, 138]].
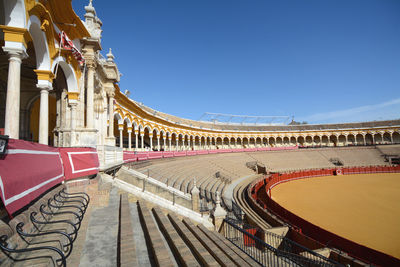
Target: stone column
[[158, 143], [136, 139], [44, 116], [11, 124], [365, 142], [176, 143], [91, 65], [151, 141], [142, 141], [111, 114], [165, 143], [45, 79], [129, 138], [170, 143], [391, 138], [121, 138]]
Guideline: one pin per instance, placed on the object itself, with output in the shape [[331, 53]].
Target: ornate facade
[[47, 96]]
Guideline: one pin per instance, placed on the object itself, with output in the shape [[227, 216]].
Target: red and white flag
[[67, 44]]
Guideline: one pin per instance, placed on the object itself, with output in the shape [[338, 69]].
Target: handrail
[[256, 249]]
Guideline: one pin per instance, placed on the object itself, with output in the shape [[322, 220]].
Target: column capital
[[120, 127], [129, 129], [15, 54], [73, 98], [45, 79]]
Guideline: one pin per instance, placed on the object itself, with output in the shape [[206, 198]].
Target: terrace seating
[[44, 233]]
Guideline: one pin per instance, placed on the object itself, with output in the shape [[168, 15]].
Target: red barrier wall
[[28, 170], [79, 161], [321, 235], [129, 156]]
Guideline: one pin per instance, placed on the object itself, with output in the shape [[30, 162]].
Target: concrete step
[[217, 253], [127, 248], [200, 252], [142, 253], [155, 241], [280, 232], [225, 248], [175, 242]]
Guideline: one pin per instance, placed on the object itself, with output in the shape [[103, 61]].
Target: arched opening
[[226, 142], [309, 141], [239, 142], [317, 141], [278, 141], [359, 140], [342, 140], [245, 142], [396, 137], [369, 139], [325, 140], [378, 139], [146, 138], [293, 141], [272, 141], [219, 142], [387, 138], [233, 143], [351, 140], [301, 141], [333, 140], [258, 142], [118, 124]]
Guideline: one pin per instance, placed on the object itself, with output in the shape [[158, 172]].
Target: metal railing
[[275, 251]]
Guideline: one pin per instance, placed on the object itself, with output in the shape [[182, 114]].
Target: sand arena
[[363, 208]]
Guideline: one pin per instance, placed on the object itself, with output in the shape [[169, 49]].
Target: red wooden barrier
[[79, 161], [28, 170]]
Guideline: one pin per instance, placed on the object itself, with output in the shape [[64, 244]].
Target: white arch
[[40, 44], [69, 73], [116, 114], [129, 123]]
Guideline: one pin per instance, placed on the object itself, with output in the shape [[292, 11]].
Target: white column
[[165, 143], [158, 143], [111, 115], [121, 140], [391, 138], [176, 144], [11, 124], [365, 142], [90, 96], [44, 116], [136, 140], [151, 142], [129, 138], [73, 115], [170, 141], [142, 141]]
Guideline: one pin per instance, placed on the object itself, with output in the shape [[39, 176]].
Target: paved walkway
[[100, 248]]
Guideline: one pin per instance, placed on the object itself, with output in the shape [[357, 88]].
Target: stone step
[[155, 241], [218, 254], [200, 252], [177, 245], [127, 248], [232, 254], [142, 252]]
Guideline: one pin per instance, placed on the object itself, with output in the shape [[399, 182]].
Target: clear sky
[[320, 61]]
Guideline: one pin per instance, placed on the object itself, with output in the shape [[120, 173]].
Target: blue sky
[[319, 61]]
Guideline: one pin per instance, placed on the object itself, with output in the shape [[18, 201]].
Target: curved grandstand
[[90, 177]]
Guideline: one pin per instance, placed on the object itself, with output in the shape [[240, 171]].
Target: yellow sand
[[364, 208]]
